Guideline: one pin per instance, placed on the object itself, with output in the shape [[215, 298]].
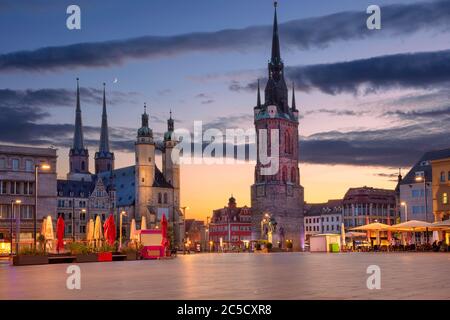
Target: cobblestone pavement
[[239, 276]]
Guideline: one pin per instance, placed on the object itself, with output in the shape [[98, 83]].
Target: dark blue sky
[[357, 89]]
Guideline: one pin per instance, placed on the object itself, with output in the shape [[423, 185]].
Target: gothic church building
[[140, 190]]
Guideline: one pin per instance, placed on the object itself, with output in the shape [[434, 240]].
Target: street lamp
[[43, 166], [11, 224], [404, 204], [122, 213], [184, 220], [424, 180], [18, 202]]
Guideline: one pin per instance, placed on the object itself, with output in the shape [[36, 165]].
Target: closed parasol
[[110, 230], [98, 230], [133, 230], [90, 231], [60, 234], [165, 241], [143, 223], [49, 229]]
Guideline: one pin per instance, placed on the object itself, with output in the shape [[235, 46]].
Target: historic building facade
[[416, 188], [441, 188], [18, 182], [323, 218], [278, 195], [366, 205], [138, 190], [230, 226]]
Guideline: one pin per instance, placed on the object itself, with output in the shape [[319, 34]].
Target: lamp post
[[184, 222], [73, 218], [11, 224], [42, 166], [424, 179], [122, 213], [18, 202], [404, 204]]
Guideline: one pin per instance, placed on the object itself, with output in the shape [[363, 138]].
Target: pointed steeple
[[144, 130], [170, 125], [276, 92], [78, 143], [258, 98], [276, 54], [104, 139], [294, 107]]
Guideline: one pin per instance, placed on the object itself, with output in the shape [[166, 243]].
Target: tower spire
[[294, 107], [78, 143], [258, 99], [276, 55], [104, 139], [170, 124]]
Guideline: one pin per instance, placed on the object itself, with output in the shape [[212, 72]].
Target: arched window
[[159, 198], [442, 176], [284, 174], [287, 142], [293, 175]]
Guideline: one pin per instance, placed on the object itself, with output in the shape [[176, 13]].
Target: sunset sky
[[371, 101]]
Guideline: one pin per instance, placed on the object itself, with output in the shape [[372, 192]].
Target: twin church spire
[[104, 158]]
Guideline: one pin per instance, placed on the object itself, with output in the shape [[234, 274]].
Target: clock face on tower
[[272, 110]]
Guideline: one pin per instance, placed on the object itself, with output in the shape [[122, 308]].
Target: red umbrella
[[109, 228], [165, 241], [60, 234]]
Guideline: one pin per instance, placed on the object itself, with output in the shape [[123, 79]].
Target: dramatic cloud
[[59, 97], [410, 70], [299, 34], [337, 112], [418, 114], [393, 147], [23, 114]]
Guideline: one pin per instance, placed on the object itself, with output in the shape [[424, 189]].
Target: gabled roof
[[73, 188], [124, 183], [160, 180], [424, 165]]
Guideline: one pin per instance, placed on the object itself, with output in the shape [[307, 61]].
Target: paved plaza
[[239, 276]]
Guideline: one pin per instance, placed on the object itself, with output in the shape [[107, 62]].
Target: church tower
[[78, 155], [104, 159], [278, 196], [171, 167], [145, 167]]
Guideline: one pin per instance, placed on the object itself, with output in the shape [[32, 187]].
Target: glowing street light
[[44, 167], [122, 213], [404, 204]]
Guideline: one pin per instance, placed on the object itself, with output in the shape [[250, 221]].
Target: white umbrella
[[435, 236], [90, 231], [49, 229], [143, 223], [343, 234], [98, 229], [49, 236], [44, 224], [133, 230]]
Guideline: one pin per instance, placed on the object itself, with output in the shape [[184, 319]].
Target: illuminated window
[[445, 198]]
